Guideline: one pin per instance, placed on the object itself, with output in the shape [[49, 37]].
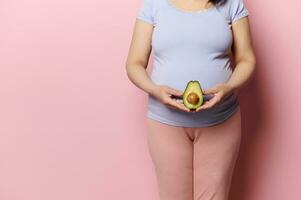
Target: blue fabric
[[191, 45]]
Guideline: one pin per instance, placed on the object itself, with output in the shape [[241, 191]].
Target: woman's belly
[[177, 75]]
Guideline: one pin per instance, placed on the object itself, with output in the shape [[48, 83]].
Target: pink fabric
[[194, 163]]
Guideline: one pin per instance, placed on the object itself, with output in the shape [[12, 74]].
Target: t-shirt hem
[[163, 120], [244, 14], [146, 20]]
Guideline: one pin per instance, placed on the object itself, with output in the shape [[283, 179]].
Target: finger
[[221, 101], [207, 97], [169, 106], [223, 98], [174, 91], [227, 96], [172, 106], [209, 104], [178, 105], [210, 90], [212, 102], [180, 101], [202, 107]]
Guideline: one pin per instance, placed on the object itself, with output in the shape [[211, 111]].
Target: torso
[[190, 45]]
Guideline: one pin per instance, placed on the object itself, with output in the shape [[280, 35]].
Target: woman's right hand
[[163, 93]]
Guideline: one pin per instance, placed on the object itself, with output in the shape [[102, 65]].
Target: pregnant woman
[[194, 152]]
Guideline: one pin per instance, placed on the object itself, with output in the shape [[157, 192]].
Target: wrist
[[232, 88], [153, 90]]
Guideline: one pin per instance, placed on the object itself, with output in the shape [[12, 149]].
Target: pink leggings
[[194, 163]]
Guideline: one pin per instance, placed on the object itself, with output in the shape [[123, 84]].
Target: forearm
[[241, 74], [138, 75]]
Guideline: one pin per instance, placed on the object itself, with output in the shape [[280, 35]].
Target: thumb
[[175, 91]]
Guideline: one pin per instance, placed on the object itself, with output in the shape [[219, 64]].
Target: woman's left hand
[[220, 92]]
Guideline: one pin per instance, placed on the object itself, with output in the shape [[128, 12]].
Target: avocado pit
[[193, 98]]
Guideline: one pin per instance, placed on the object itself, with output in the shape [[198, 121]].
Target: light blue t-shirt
[[191, 45]]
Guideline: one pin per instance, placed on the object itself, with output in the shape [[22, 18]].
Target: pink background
[[73, 126]]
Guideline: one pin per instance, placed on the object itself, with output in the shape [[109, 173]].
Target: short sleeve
[[145, 11], [238, 10]]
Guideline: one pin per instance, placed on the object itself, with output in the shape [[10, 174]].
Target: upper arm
[[140, 47], [242, 41]]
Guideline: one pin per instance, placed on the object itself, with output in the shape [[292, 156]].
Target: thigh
[[215, 152], [172, 153]]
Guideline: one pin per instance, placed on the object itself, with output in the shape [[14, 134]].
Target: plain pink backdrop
[[73, 126]]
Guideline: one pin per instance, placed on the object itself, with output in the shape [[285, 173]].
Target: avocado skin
[[193, 86]]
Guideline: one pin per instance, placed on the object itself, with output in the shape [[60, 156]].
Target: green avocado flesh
[[193, 95]]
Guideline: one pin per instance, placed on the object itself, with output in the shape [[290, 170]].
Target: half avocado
[[193, 95]]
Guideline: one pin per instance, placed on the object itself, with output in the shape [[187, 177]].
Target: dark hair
[[218, 1]]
